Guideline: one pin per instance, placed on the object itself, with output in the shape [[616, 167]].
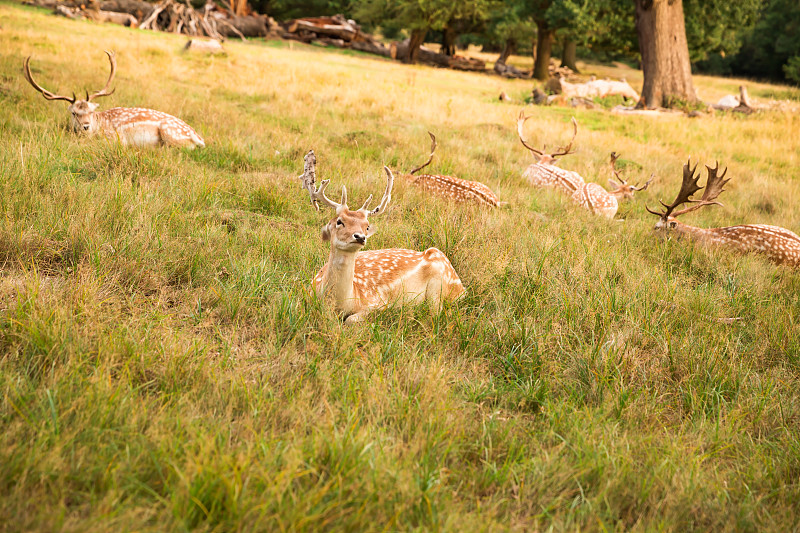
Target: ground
[[164, 367]]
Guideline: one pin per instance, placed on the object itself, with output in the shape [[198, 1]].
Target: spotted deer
[[130, 125], [779, 245], [544, 173], [456, 189], [596, 199], [357, 282]]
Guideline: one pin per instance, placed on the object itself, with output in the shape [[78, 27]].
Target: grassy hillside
[[163, 366]]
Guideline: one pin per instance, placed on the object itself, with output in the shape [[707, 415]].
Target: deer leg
[[355, 318]]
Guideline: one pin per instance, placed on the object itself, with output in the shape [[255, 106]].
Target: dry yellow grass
[[163, 367]]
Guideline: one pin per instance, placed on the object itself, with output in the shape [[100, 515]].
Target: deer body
[[548, 175], [129, 125], [456, 189], [141, 127], [779, 245], [363, 281], [357, 282]]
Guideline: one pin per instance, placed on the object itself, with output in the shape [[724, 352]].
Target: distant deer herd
[[356, 282]]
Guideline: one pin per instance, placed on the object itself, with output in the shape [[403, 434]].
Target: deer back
[[456, 189]]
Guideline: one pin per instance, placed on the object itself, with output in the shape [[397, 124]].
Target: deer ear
[[370, 230], [613, 185], [326, 232]]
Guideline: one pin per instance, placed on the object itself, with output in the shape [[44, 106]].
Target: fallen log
[[371, 47], [335, 26], [399, 50]]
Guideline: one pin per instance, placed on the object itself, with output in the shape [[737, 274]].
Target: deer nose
[[86, 127], [360, 238]]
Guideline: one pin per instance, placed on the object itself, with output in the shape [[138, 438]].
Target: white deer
[[130, 125], [357, 282]]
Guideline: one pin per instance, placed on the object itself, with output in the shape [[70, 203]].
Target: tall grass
[[163, 365]]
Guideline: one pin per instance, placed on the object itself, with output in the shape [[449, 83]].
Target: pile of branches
[[214, 21], [346, 33]]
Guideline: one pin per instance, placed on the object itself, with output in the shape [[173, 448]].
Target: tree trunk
[[665, 53], [449, 41], [544, 47], [509, 48], [416, 40], [568, 55]]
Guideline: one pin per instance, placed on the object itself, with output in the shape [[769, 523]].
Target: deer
[[357, 282], [130, 125], [456, 189], [779, 245], [605, 203], [591, 196], [544, 173]]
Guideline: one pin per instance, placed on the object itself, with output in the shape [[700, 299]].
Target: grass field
[[164, 368]]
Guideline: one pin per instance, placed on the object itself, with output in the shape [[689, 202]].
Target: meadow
[[164, 367]]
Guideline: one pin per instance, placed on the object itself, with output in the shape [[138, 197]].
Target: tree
[[420, 16], [665, 53]]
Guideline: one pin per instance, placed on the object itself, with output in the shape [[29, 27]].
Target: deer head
[[715, 185], [545, 157], [621, 188], [82, 111], [348, 230]]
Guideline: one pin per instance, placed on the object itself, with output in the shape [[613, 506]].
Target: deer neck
[[338, 282]]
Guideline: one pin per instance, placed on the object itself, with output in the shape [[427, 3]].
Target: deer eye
[[339, 222]]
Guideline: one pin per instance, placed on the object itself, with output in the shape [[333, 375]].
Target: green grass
[[164, 367]]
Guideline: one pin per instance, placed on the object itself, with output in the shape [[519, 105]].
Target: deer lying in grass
[[358, 282], [544, 172], [131, 125], [780, 245], [591, 196], [606, 203], [451, 187]]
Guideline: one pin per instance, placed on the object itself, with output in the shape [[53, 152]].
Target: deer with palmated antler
[[606, 203], [544, 172], [456, 189], [357, 282], [780, 245], [130, 125]]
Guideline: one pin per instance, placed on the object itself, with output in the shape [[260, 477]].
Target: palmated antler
[[47, 94], [688, 188], [317, 195], [104, 91], [428, 162], [715, 185], [562, 151]]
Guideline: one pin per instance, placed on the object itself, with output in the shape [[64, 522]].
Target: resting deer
[[131, 125], [780, 245], [544, 173], [451, 187], [606, 203], [358, 282]]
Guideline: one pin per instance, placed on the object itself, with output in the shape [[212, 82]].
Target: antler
[[715, 185], [104, 91], [564, 150], [428, 162], [520, 124], [387, 195], [47, 94], [308, 179], [623, 182], [688, 188]]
